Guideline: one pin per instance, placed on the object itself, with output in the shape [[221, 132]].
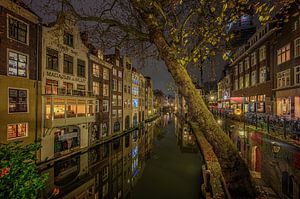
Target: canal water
[[158, 161]]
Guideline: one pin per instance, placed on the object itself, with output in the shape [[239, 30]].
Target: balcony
[[68, 110]]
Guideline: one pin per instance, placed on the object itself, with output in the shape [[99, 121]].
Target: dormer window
[[68, 39]]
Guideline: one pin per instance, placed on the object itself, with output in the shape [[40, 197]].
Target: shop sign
[[65, 77], [257, 137]]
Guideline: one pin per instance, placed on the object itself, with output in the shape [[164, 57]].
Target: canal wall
[[214, 185]]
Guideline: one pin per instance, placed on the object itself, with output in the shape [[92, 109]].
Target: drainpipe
[[37, 82]]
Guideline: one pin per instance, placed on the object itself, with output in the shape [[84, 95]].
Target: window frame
[[295, 47], [27, 100], [19, 20], [295, 75], [52, 56], [81, 64], [70, 37], [66, 57], [27, 62], [18, 137]]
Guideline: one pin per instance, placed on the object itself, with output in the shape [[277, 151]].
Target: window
[[96, 88], [68, 39], [58, 108], [52, 59], [90, 108], [18, 100], [297, 47], [120, 86], [105, 90], [241, 69], [241, 82], [125, 88], [253, 59], [18, 30], [236, 70], [120, 113], [119, 100], [105, 74], [17, 64], [71, 108], [51, 87], [283, 79], [262, 74], [114, 113], [247, 80], [297, 75], [247, 65], [80, 87], [80, 68], [283, 54], [17, 130], [68, 87], [115, 101], [68, 64], [97, 106], [120, 74], [115, 85], [114, 72], [262, 53], [105, 107], [96, 70], [253, 78], [81, 104]]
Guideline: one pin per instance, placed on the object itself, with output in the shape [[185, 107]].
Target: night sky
[[152, 67]]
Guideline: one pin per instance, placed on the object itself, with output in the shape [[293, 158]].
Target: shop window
[[58, 108], [80, 68], [18, 30], [71, 108], [81, 108], [52, 59], [18, 100], [17, 130], [283, 54], [68, 64], [17, 64]]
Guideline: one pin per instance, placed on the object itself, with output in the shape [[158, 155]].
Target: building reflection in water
[[185, 138], [109, 170]]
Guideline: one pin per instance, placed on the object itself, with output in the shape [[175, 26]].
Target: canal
[[160, 160]]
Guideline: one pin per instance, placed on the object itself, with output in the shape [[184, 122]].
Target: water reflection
[[106, 171]]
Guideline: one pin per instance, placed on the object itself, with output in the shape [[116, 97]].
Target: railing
[[270, 123]]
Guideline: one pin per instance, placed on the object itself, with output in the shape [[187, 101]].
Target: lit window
[[247, 80], [119, 100], [71, 108], [17, 130], [120, 74], [17, 64], [18, 100], [105, 74], [18, 30], [283, 79], [115, 85], [90, 108], [96, 70], [96, 88], [81, 108], [283, 54], [115, 100], [51, 87], [58, 108], [120, 86], [105, 90]]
